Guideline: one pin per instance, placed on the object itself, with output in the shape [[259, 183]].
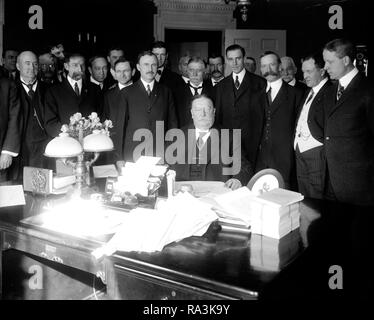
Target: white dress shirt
[[26, 87], [145, 84], [346, 79], [275, 87], [205, 138], [121, 86], [292, 82], [303, 136], [72, 83], [185, 79], [240, 75], [198, 90]]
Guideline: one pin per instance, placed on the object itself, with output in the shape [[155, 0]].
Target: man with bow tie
[[70, 96], [204, 150], [32, 93], [194, 86], [349, 128]]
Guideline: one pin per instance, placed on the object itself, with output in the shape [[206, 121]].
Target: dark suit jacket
[[283, 113], [310, 173], [349, 141], [169, 79], [301, 86], [212, 168], [10, 117], [114, 110], [34, 135], [183, 96], [61, 103], [234, 107], [142, 112]]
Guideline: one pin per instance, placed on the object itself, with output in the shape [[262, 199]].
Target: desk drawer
[[137, 285], [48, 250]]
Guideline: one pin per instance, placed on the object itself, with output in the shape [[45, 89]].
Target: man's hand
[[233, 184], [5, 161]]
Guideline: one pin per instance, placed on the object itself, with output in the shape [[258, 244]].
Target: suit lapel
[[346, 93], [281, 98], [243, 86]]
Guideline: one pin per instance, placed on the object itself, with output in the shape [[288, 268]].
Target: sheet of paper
[[11, 196], [281, 197], [105, 171], [203, 188]]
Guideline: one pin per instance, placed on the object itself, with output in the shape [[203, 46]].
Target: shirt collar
[[72, 82], [292, 82], [319, 86], [240, 75], [95, 81], [35, 84], [346, 79], [205, 137], [151, 84], [121, 86], [274, 85], [215, 82], [185, 79]]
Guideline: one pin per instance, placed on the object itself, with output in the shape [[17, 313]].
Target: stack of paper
[[150, 230], [276, 213], [272, 254], [233, 208]]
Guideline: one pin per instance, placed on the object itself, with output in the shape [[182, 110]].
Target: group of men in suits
[[317, 135]]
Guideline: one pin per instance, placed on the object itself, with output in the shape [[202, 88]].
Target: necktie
[[268, 95], [311, 95], [237, 83], [30, 92], [76, 89], [200, 141], [196, 89], [148, 90], [339, 92]]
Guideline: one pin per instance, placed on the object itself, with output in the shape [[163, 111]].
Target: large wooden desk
[[215, 266]]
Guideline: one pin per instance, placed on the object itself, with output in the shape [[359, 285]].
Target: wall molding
[[192, 15]]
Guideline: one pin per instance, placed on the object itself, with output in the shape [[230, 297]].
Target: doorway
[[193, 42]]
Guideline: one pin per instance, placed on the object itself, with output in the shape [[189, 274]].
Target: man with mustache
[[144, 102], [70, 96], [195, 86], [273, 121], [216, 68], [234, 98]]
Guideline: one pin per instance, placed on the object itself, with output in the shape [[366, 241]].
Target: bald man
[[34, 137]]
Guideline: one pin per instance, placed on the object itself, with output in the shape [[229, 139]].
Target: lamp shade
[[97, 142], [63, 146]]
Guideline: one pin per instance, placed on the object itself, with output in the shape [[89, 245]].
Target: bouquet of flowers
[[79, 126]]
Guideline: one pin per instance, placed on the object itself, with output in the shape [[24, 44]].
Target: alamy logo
[[336, 280], [175, 147], [336, 20], [36, 20], [36, 279]]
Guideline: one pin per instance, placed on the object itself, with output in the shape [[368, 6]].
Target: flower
[[79, 126]]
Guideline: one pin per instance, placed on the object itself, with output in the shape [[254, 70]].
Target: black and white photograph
[[186, 151]]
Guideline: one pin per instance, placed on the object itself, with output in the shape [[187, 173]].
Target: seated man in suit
[[70, 96], [206, 153], [195, 86]]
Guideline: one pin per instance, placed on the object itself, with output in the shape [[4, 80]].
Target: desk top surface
[[245, 262]]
